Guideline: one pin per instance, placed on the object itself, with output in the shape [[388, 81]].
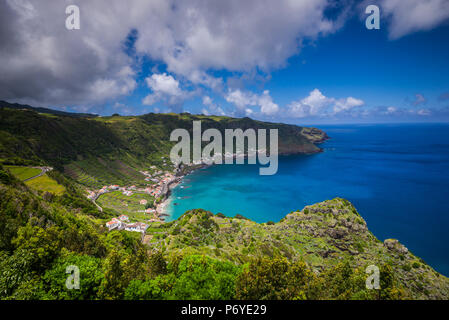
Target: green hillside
[[101, 150], [47, 224], [319, 252]]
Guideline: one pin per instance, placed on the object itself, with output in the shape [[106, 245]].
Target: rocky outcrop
[[394, 245]]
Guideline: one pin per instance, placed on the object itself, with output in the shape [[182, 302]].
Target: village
[[159, 184], [158, 187]]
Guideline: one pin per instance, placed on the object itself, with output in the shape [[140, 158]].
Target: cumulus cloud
[[240, 98], [211, 107], [267, 106], [234, 35], [318, 105], [44, 63], [166, 89], [245, 99], [347, 104], [414, 15]]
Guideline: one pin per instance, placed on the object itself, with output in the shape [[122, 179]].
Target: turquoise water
[[395, 175]]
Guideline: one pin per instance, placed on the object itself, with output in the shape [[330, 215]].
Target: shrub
[[406, 267]]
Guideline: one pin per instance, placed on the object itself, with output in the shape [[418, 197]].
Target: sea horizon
[[392, 176]]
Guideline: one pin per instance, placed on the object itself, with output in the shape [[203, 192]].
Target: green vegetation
[[316, 243], [46, 184], [95, 151], [23, 173], [129, 205], [47, 224]]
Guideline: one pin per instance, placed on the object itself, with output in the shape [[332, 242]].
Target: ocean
[[395, 175]]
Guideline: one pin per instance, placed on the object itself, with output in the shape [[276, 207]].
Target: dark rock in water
[[175, 204]]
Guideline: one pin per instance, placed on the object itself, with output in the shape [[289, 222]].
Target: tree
[[90, 277], [157, 264], [200, 277], [274, 279]]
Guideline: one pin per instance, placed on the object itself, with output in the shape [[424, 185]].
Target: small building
[[143, 202], [113, 224], [136, 227], [123, 217]]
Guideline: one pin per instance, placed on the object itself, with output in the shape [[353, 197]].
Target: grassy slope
[[129, 205], [96, 151], [322, 235], [102, 150], [46, 184], [23, 173]]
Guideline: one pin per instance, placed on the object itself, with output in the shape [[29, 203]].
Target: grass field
[[23, 173], [45, 183], [128, 205]]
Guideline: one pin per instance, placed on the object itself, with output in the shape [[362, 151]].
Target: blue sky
[[354, 61], [297, 62]]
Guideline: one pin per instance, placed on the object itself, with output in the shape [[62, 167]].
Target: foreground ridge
[[322, 235]]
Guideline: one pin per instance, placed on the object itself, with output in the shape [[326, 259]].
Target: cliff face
[[322, 235], [315, 135]]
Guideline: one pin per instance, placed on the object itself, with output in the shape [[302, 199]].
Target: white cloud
[[267, 106], [164, 84], [248, 112], [347, 104], [240, 98], [318, 105], [414, 15], [392, 110], [243, 99], [43, 62], [234, 35], [212, 108], [424, 112], [165, 88]]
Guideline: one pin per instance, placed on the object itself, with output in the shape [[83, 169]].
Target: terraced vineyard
[[98, 172], [129, 205], [78, 174]]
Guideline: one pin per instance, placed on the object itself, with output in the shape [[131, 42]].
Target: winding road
[[43, 171]]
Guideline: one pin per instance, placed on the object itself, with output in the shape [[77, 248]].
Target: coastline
[[161, 208]]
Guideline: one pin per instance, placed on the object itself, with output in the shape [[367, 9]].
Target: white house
[[137, 227], [113, 224]]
